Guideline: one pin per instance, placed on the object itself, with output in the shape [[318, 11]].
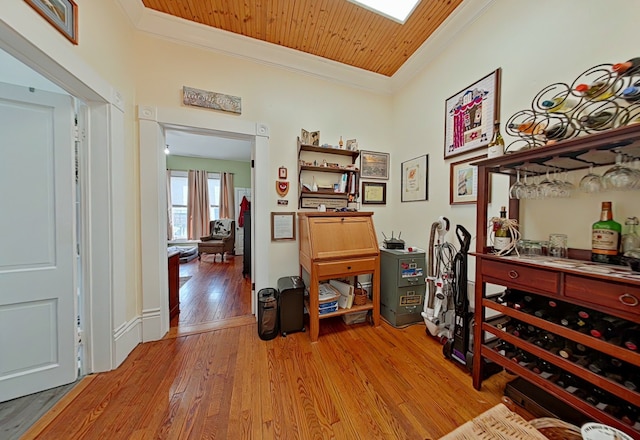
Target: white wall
[[535, 45], [284, 100]]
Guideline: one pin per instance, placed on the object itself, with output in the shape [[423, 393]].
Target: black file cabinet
[[402, 286]]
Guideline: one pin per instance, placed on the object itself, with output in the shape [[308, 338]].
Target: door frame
[[153, 203], [103, 228]]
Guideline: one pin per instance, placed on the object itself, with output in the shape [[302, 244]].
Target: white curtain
[[227, 204], [197, 205], [169, 216]]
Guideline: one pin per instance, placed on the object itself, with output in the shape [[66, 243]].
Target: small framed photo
[[470, 115], [374, 165], [463, 181], [352, 145], [304, 137], [283, 226], [282, 173], [374, 193], [314, 138], [61, 14], [415, 179]]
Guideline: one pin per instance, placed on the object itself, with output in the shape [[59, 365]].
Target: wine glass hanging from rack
[[598, 99]]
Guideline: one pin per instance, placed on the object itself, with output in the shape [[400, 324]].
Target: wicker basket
[[360, 296], [555, 429]]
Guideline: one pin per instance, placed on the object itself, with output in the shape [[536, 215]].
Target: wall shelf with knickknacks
[[326, 176]]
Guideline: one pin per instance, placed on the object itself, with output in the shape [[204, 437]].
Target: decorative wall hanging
[[62, 14], [282, 188], [463, 181], [415, 179], [374, 165], [374, 193], [283, 226], [213, 100], [470, 114], [282, 173]]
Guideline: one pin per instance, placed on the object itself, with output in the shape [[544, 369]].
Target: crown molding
[[185, 32]]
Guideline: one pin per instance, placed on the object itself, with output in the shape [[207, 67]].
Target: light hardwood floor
[[218, 380]]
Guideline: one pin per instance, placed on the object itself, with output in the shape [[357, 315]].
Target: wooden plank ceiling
[[335, 29]]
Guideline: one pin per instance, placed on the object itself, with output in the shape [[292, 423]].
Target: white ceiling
[[207, 144]]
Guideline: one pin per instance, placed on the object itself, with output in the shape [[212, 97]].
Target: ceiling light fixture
[[398, 10], [166, 150]]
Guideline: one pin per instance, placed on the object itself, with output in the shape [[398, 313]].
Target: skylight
[[398, 10]]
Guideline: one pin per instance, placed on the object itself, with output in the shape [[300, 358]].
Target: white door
[[37, 250], [240, 193]]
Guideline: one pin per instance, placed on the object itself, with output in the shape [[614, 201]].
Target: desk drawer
[[522, 277], [603, 293], [346, 267]]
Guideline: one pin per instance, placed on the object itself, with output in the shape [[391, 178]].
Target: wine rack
[[597, 100], [611, 294]]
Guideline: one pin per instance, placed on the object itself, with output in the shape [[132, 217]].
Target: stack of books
[[327, 298]]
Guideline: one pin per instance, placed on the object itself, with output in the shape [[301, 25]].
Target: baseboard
[[125, 338], [151, 325]]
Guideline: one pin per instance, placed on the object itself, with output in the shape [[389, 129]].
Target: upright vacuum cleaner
[[458, 348]]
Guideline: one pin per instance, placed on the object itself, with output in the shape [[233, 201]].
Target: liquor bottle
[[496, 146], [502, 234], [608, 327], [627, 68], [599, 120], [631, 239], [605, 237]]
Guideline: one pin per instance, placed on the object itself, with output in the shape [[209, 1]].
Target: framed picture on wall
[[463, 181], [374, 193], [61, 14], [415, 179], [470, 114], [374, 165]]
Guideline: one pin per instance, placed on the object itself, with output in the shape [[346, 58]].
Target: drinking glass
[[516, 189], [619, 176], [558, 245], [591, 183]]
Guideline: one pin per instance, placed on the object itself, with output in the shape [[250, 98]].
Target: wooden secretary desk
[[335, 245]]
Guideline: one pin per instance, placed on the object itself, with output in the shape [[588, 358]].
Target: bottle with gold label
[[605, 237], [495, 148]]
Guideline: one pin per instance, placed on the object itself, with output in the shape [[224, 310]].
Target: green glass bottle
[[605, 237]]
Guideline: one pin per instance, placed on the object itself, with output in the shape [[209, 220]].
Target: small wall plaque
[[213, 100]]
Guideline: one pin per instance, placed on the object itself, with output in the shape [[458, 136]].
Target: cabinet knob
[[348, 267], [513, 274], [628, 300]]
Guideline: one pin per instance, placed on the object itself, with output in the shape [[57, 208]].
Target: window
[[180, 196]]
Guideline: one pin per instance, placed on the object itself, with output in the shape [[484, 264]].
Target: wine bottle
[[509, 297], [630, 338], [629, 414], [530, 128], [605, 237], [559, 104], [559, 131], [502, 234], [572, 351], [496, 145], [631, 94], [597, 91], [599, 120], [573, 321], [608, 327], [627, 68]]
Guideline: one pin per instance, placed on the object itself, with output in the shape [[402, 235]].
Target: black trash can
[[267, 313], [291, 304]]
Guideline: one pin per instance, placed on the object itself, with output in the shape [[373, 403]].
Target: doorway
[[153, 124], [211, 288]]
